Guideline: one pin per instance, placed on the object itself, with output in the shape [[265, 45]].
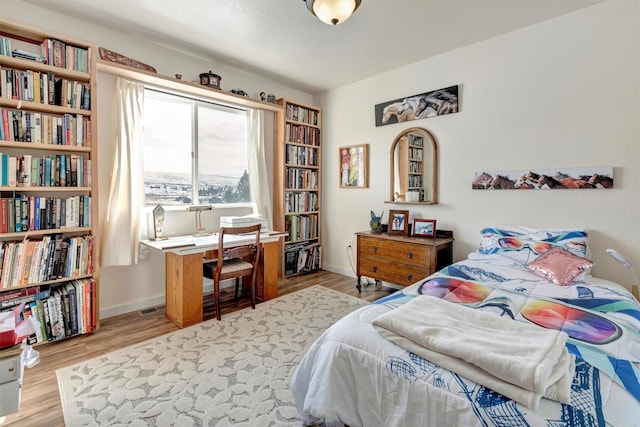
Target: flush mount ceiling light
[[332, 12]]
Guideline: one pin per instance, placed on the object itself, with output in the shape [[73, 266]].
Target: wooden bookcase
[[48, 177], [297, 194]]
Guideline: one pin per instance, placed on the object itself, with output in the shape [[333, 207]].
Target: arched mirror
[[414, 167]]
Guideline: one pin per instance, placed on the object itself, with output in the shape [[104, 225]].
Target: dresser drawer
[[400, 274], [10, 368], [393, 251]]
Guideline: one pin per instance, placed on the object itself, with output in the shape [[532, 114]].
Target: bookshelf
[[297, 194], [411, 166], [48, 202]]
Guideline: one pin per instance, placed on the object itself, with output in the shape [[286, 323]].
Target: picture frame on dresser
[[354, 166], [398, 222], [424, 228]]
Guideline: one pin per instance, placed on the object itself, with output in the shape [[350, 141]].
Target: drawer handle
[[410, 255], [374, 269], [10, 369], [375, 249], [410, 277]]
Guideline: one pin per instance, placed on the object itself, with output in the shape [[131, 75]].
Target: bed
[[530, 278]]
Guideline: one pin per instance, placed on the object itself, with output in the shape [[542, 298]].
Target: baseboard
[[151, 302], [340, 270]]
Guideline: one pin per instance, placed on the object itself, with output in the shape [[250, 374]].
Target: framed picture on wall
[[354, 166], [398, 222], [424, 227]]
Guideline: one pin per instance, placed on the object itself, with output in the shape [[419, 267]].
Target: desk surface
[[184, 245]]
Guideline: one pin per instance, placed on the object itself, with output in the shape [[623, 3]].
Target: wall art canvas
[[544, 179], [421, 106]]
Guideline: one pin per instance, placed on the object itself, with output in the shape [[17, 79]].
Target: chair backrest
[[249, 252]]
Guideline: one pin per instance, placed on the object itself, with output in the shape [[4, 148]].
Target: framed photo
[[354, 166], [398, 222], [424, 227]]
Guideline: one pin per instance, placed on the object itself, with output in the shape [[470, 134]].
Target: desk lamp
[[627, 264], [198, 210]]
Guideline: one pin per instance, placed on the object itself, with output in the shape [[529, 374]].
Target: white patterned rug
[[233, 372]]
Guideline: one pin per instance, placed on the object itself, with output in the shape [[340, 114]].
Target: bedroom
[[563, 93]]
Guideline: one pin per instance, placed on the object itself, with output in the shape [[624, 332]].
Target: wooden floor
[[40, 404]]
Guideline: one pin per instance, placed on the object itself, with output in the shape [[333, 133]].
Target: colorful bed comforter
[[352, 375]]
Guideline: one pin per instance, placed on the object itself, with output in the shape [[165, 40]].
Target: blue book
[[5, 169]]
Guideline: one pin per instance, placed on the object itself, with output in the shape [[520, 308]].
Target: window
[[195, 152]]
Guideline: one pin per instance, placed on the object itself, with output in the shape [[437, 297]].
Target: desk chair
[[235, 262]]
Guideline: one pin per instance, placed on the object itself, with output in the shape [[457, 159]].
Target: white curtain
[[258, 176], [122, 230]]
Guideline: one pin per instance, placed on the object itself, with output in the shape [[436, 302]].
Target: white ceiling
[[281, 39]]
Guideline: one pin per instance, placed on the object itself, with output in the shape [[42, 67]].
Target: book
[[73, 307]]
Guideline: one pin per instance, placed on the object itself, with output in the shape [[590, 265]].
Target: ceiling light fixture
[[332, 12]]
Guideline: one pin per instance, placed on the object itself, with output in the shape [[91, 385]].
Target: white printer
[[244, 221]]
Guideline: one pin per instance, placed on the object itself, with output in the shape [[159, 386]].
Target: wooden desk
[[183, 272]]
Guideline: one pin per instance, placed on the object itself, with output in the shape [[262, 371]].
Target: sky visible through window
[[171, 124]]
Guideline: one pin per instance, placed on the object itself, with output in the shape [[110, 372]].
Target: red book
[[4, 216]]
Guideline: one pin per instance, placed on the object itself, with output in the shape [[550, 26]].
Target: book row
[[415, 167], [44, 88], [415, 153], [415, 181], [54, 170], [301, 179], [304, 115], [28, 126], [52, 52], [303, 134], [305, 156], [27, 213], [301, 202], [61, 311], [54, 257], [300, 227], [302, 260]]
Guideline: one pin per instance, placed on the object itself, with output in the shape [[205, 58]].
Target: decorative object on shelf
[[210, 79], [178, 76], [111, 56], [271, 98], [398, 222], [424, 227], [627, 264], [198, 210], [376, 222], [158, 224], [544, 179], [332, 12], [429, 104], [354, 166], [239, 92]]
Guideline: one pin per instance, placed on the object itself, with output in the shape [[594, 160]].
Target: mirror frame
[[428, 137]]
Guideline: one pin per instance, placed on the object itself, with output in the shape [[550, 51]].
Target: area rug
[[233, 372]]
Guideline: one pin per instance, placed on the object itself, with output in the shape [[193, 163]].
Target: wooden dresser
[[400, 259]]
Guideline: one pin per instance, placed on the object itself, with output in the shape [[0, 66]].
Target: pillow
[[559, 266], [525, 244]]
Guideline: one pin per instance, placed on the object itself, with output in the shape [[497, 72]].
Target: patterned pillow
[[559, 266], [524, 244]]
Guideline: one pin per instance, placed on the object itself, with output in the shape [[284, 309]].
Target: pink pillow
[[559, 266]]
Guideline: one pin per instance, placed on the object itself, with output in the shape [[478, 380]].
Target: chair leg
[[253, 290], [216, 298]]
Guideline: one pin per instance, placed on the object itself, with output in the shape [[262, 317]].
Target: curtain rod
[[184, 87]]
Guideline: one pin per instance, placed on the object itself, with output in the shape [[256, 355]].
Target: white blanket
[[521, 361]]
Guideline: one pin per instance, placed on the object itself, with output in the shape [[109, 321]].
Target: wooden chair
[[234, 262]]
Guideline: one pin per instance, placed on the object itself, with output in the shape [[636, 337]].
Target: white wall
[[560, 94], [125, 289]]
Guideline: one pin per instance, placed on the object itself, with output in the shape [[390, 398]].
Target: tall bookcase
[[48, 176], [297, 201]]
